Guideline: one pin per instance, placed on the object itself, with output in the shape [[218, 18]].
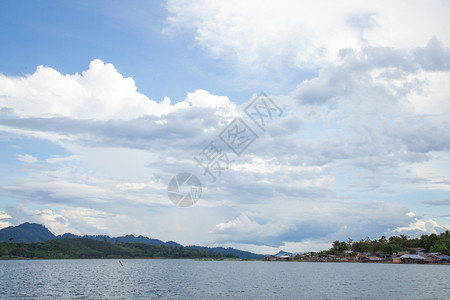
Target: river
[[191, 279]]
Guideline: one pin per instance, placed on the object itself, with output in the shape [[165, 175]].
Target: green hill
[[232, 251], [122, 239], [88, 248], [32, 233]]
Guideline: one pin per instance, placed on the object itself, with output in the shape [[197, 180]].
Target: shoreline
[[216, 260]]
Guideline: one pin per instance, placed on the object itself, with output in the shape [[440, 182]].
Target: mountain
[[27, 233], [232, 251], [31, 232], [282, 253], [122, 239]]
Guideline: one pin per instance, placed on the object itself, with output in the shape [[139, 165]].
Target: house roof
[[375, 258], [412, 256]]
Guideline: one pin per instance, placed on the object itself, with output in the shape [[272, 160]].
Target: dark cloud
[[6, 111], [316, 221], [434, 56], [420, 136], [441, 202], [184, 129]]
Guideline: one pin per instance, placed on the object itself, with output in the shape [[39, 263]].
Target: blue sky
[[103, 102], [67, 35]]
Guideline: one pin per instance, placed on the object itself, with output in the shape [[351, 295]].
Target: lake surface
[[181, 279]]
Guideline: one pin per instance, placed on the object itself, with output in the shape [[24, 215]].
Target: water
[[181, 279]]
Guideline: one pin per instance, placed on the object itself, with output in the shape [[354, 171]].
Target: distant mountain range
[[235, 252], [121, 239], [284, 253], [32, 232]]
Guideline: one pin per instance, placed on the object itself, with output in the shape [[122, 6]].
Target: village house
[[270, 258], [419, 251], [439, 258], [367, 257], [330, 258], [283, 257], [413, 258]]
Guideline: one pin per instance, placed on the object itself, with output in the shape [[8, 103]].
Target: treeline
[[87, 248], [395, 244]]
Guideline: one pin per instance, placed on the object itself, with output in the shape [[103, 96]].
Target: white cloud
[[128, 186], [55, 222], [240, 224], [93, 221], [3, 220], [4, 215], [261, 34], [99, 93], [26, 158], [418, 227], [202, 98], [4, 224], [59, 159]]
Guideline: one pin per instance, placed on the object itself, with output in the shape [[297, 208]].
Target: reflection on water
[[144, 279]]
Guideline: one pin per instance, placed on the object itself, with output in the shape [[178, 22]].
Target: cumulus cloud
[[383, 110], [100, 106], [419, 227], [56, 223], [99, 93], [375, 74], [202, 98]]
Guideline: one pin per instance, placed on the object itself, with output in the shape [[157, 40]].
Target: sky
[[305, 122]]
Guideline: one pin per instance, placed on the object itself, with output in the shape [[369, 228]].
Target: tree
[[338, 247], [363, 246], [445, 238], [440, 248]]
